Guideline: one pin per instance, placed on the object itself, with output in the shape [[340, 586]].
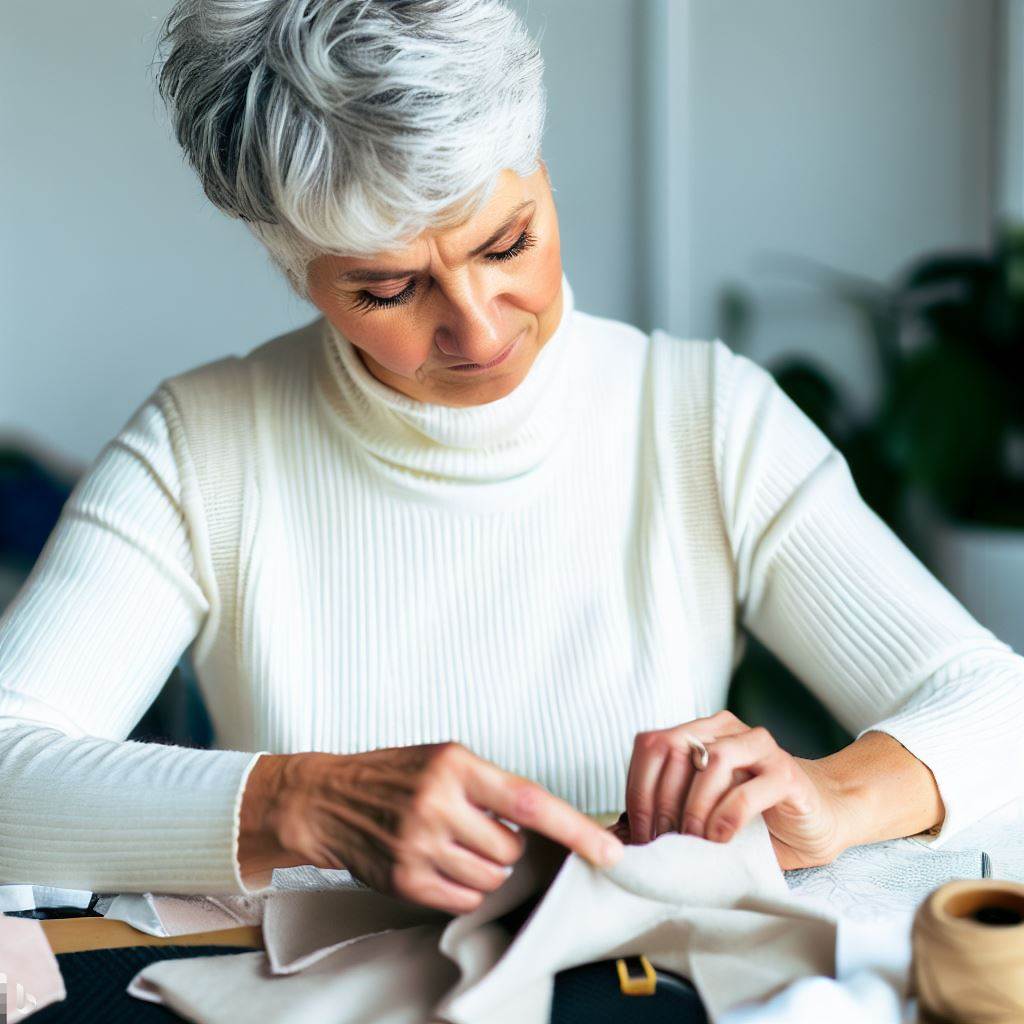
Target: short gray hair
[[350, 126]]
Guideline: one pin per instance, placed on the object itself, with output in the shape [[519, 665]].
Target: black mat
[[97, 978]]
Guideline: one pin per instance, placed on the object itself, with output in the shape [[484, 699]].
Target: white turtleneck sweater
[[539, 577]]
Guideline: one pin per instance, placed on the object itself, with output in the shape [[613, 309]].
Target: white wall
[[116, 269], [1010, 105], [853, 132], [856, 134]]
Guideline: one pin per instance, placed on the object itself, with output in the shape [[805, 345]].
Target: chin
[[480, 392]]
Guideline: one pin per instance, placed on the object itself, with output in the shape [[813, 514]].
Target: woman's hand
[[418, 822], [747, 773]]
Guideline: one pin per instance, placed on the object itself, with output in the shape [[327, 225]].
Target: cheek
[[540, 284], [547, 278], [401, 348]]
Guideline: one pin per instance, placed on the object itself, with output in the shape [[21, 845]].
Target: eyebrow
[[390, 275]]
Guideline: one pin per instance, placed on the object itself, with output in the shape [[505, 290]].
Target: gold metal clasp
[[635, 984]]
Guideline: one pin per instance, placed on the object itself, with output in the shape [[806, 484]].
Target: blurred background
[[836, 189]]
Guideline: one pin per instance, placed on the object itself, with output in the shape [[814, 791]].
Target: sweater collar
[[481, 443]]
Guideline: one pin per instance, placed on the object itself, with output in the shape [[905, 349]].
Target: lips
[[494, 362]]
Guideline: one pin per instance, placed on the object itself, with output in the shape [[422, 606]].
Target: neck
[[488, 441]]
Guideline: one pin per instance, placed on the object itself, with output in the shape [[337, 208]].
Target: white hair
[[350, 126]]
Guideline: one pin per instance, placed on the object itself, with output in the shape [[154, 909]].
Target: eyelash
[[367, 300]]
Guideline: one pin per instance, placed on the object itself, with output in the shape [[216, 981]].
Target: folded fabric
[[29, 974], [165, 916], [16, 897], [720, 914]]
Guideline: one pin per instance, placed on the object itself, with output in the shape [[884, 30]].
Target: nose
[[472, 333]]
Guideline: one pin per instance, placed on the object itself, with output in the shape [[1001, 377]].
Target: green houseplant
[[940, 455], [948, 335]]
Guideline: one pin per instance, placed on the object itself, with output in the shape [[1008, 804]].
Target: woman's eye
[[523, 242], [367, 300]]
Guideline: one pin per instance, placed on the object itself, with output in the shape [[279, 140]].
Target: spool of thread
[[967, 965]]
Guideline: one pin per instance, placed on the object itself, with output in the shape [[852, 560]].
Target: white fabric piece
[[38, 897], [870, 987], [720, 914], [864, 998]]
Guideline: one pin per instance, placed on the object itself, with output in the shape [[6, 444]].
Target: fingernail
[[721, 832], [692, 826], [610, 852]]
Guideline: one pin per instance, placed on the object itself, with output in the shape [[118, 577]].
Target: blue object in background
[[31, 499]]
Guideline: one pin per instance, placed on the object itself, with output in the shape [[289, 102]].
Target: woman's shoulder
[[689, 360]]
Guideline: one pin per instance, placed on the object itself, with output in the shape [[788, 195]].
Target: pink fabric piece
[[188, 915], [29, 974]]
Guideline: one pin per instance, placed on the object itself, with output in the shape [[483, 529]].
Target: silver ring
[[698, 752]]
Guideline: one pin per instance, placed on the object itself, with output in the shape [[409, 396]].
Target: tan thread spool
[[966, 970]]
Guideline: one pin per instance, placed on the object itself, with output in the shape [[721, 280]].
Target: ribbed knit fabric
[[539, 577]]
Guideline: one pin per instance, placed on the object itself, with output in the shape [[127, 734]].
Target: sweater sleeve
[[85, 647], [824, 583]]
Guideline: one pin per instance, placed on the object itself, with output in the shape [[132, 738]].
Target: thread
[[967, 963]]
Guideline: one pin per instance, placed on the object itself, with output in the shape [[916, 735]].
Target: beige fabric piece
[[720, 914]]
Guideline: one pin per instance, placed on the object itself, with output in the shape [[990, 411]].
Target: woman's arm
[[85, 648], [884, 790], [822, 581]]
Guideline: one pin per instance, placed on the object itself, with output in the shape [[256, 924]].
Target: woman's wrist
[[879, 789], [260, 849]]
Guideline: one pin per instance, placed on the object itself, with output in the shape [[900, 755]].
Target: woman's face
[[426, 319]]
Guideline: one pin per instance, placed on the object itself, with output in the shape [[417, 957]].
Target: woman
[[456, 557]]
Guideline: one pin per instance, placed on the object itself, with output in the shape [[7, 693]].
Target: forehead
[[514, 197]]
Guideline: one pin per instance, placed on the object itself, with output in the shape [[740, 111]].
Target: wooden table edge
[[78, 934]]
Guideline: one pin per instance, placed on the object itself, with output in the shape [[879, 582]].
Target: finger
[[430, 888], [742, 803], [476, 830], [670, 794], [620, 830], [721, 723], [744, 753], [649, 752], [467, 868], [659, 786], [529, 804]]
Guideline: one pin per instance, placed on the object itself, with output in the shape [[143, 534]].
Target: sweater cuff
[[121, 816], [964, 723]]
